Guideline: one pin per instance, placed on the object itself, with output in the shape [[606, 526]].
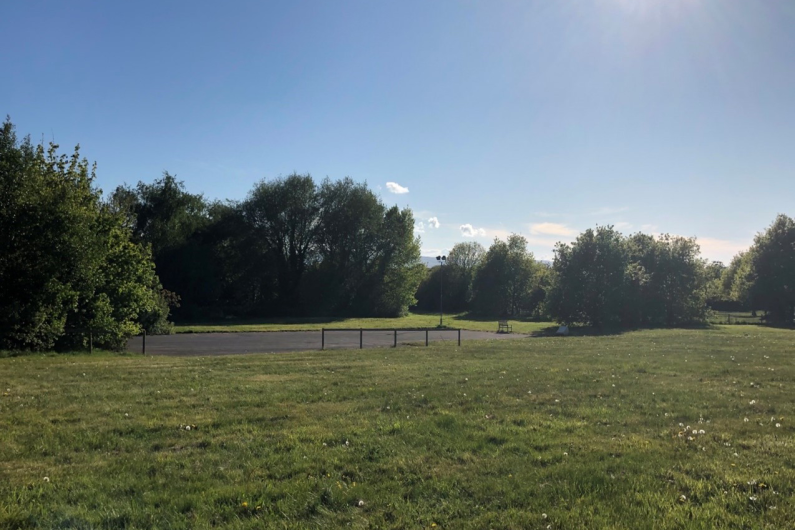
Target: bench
[[504, 327]]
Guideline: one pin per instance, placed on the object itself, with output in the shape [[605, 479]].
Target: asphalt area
[[184, 344]]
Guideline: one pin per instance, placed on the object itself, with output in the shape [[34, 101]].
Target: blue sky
[[542, 118]]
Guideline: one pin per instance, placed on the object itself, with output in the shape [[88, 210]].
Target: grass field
[[413, 320], [648, 429]]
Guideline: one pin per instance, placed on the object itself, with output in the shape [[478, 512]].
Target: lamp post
[[441, 260]]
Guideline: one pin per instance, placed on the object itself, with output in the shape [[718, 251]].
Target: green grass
[[413, 320], [585, 430]]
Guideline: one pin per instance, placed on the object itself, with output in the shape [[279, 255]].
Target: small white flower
[[187, 427], [752, 402], [702, 431], [682, 498], [543, 516], [565, 454], [347, 443], [681, 424], [752, 498], [46, 479], [360, 503], [778, 425], [746, 420]]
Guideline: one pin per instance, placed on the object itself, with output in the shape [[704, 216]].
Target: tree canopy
[[68, 264]]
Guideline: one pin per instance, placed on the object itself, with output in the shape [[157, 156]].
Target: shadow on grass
[[591, 331], [486, 318]]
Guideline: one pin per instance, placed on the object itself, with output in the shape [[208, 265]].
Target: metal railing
[[382, 330]]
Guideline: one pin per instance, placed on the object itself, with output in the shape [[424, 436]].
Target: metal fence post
[[426, 336], [322, 338], [360, 338], [394, 345], [90, 341], [144, 343], [459, 336]]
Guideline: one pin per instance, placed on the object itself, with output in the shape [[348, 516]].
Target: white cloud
[[622, 225], [496, 232], [468, 230], [419, 228], [721, 249], [433, 222], [553, 229], [394, 187], [647, 228]]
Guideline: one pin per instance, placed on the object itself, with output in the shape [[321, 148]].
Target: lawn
[[647, 429], [413, 320]]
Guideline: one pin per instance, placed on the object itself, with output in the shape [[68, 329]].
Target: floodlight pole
[[441, 260]]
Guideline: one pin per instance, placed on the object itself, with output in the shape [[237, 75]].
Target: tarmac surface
[[190, 344]]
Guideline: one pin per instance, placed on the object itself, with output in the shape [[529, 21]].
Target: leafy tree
[[773, 270], [368, 257], [605, 279], [466, 256], [503, 282], [66, 262], [589, 279], [284, 215], [459, 270]]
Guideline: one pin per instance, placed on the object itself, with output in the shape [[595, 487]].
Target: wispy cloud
[[394, 187], [721, 249], [467, 230], [552, 229], [433, 222], [419, 228]]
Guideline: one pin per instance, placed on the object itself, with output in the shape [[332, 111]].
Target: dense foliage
[[68, 266], [292, 247], [606, 279], [763, 278]]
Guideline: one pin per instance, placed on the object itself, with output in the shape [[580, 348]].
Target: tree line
[[292, 247], [76, 266], [606, 279]]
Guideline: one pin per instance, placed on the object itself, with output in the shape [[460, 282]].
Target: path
[[286, 341]]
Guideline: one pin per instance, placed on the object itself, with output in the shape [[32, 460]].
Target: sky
[[486, 118]]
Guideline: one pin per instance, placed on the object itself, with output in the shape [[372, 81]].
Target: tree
[[66, 261], [466, 256], [773, 270], [283, 214], [605, 279], [589, 279], [503, 283], [368, 257]]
